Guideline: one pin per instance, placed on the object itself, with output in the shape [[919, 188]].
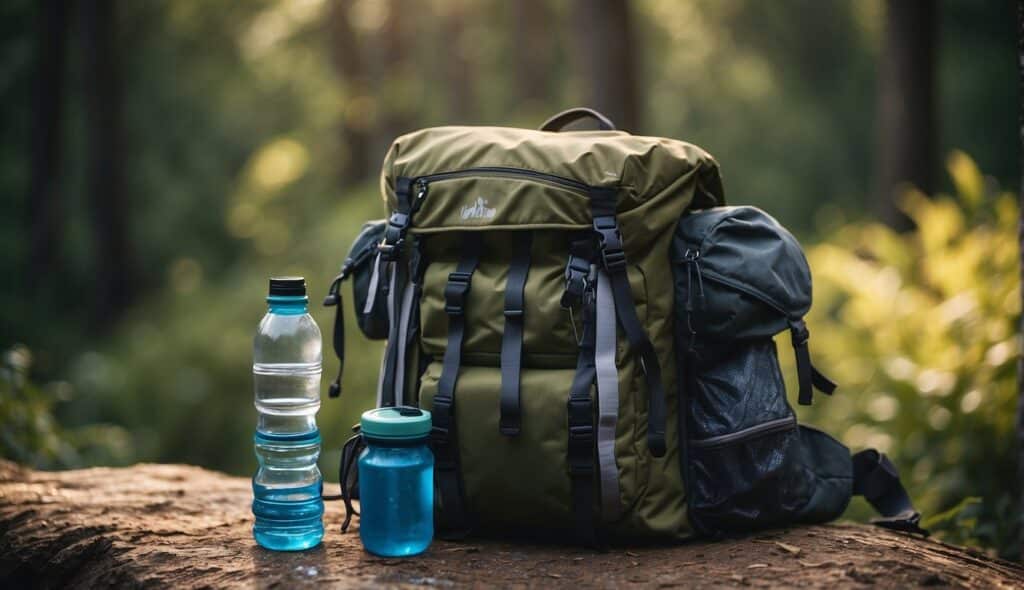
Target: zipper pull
[[421, 193], [690, 258]]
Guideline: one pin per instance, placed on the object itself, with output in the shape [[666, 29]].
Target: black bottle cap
[[288, 286]]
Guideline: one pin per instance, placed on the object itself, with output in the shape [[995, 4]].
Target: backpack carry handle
[[570, 116]]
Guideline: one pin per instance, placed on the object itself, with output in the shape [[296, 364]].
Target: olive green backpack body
[[527, 284], [530, 303]]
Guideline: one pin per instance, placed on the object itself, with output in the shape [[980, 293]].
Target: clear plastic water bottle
[[288, 487], [396, 482]]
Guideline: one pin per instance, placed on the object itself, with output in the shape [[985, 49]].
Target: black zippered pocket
[[747, 434], [743, 456]]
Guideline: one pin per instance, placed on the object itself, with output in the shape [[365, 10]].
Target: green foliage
[[234, 115], [32, 435], [178, 370], [920, 330]]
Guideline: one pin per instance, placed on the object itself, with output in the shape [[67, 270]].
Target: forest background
[[159, 160]]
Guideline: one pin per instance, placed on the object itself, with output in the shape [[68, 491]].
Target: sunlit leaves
[[920, 330]]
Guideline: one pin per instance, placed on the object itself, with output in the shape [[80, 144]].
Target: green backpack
[[525, 285]]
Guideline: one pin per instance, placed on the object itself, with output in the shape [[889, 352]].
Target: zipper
[[421, 182], [763, 429], [691, 256]]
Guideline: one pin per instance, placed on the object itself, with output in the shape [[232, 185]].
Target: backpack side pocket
[[745, 458]]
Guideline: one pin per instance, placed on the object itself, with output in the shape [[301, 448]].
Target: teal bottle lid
[[395, 423]]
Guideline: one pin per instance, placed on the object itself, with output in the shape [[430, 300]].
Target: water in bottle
[[396, 482], [287, 487]]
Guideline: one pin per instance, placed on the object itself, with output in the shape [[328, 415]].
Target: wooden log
[[180, 526]]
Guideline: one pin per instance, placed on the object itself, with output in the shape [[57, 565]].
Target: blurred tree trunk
[[607, 64], [458, 70], [907, 133], [349, 63], [534, 48], [113, 282], [392, 63], [1020, 238], [45, 213]]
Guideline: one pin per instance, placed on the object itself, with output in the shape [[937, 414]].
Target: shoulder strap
[[512, 338], [580, 418], [877, 480], [602, 207], [444, 437]]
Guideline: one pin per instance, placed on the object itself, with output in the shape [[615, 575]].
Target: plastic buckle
[[455, 292], [800, 333], [610, 239], [577, 281], [580, 416], [514, 313], [389, 250]]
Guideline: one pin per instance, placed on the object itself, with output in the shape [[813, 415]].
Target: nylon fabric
[[512, 338], [607, 398], [580, 423], [454, 517], [403, 342]]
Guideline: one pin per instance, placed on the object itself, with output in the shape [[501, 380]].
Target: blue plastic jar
[[396, 482]]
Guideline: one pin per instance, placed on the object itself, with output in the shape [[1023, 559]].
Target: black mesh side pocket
[[745, 462]]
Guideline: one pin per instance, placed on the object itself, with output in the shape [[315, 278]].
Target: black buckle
[[394, 236], [455, 292], [800, 333], [389, 250], [907, 522], [577, 272], [610, 240], [514, 313], [581, 450]]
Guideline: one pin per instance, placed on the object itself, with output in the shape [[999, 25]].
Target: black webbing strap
[[602, 208], [876, 478], [390, 250], [580, 414], [334, 299], [808, 377], [512, 338], [348, 475], [389, 393], [453, 517]]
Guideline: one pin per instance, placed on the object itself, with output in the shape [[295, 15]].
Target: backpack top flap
[[505, 178], [754, 278], [743, 276]]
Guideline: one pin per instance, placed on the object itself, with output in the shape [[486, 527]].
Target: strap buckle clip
[[610, 241], [577, 281], [799, 333], [455, 292]]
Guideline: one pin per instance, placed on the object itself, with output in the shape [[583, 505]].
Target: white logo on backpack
[[478, 210]]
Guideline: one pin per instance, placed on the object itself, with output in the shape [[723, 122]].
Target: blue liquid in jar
[[396, 495]]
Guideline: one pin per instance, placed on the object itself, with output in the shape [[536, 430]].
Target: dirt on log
[[180, 526]]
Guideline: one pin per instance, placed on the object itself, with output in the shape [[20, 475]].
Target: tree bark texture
[[907, 131], [180, 526], [605, 46]]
